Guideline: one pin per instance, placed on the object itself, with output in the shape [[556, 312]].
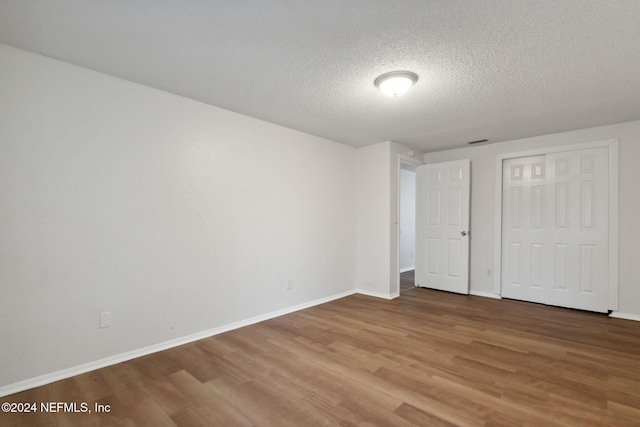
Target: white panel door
[[442, 226], [555, 229], [523, 214], [578, 235]]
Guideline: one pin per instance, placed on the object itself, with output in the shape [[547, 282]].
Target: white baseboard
[[485, 294], [123, 357], [378, 294], [627, 316], [404, 270]]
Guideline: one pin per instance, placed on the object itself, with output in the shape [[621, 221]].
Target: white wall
[[378, 192], [373, 219], [407, 218], [176, 216], [483, 171]]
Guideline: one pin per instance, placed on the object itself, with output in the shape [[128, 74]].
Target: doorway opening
[[407, 227]]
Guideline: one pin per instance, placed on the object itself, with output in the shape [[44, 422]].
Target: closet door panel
[[578, 193], [523, 214]]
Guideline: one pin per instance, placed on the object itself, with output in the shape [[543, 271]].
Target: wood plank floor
[[427, 358]]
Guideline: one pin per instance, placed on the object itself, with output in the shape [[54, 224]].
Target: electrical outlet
[[489, 273], [289, 283], [105, 319]]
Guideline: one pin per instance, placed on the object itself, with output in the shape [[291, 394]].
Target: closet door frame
[[612, 145]]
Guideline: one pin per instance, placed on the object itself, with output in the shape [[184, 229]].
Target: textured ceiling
[[495, 69]]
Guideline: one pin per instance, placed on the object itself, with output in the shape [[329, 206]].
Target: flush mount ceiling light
[[396, 83]]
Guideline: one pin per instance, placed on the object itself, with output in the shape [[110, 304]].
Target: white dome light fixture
[[396, 83]]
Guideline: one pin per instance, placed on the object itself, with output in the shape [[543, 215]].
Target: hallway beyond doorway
[[407, 281]]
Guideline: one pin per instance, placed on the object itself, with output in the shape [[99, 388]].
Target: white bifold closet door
[[555, 229]]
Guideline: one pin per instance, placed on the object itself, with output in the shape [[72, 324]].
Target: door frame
[[400, 186], [413, 162], [612, 145]]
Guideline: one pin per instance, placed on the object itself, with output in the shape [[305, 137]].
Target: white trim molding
[[612, 145], [379, 294], [627, 316], [396, 274], [123, 357]]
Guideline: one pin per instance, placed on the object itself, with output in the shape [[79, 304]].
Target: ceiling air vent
[[479, 141]]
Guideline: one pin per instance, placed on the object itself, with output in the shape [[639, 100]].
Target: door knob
[[464, 233]]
